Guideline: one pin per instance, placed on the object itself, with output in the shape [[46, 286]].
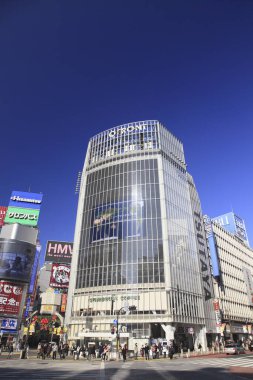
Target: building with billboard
[[234, 224], [232, 263], [135, 244], [19, 256]]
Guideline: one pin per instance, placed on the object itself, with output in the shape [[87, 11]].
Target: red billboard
[[60, 276], [10, 298], [3, 211]]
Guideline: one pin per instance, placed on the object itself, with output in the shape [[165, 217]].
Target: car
[[234, 349]]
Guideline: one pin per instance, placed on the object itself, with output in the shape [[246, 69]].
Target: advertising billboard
[[63, 302], [233, 224], [59, 251], [28, 217], [21, 199], [10, 298], [212, 246], [117, 220], [3, 211], [9, 324], [16, 260], [60, 276]]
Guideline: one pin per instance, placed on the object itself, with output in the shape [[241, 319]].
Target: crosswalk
[[240, 361]]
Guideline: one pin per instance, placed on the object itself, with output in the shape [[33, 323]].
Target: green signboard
[[19, 215]]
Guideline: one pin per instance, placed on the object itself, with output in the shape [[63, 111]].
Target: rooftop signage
[[128, 129], [25, 200]]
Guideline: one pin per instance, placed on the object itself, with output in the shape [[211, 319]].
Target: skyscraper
[[135, 242]]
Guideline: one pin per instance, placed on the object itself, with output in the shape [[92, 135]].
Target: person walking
[[146, 351], [124, 352], [54, 349], [10, 350], [136, 351]]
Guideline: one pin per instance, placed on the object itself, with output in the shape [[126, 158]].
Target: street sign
[[115, 321], [190, 330]]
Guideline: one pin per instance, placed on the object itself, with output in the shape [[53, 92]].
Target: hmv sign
[[59, 251]]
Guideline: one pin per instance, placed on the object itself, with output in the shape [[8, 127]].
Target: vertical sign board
[[3, 211], [216, 306], [212, 246], [63, 302], [249, 284], [34, 268]]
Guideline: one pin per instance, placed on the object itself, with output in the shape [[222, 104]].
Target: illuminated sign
[[25, 200], [24, 216]]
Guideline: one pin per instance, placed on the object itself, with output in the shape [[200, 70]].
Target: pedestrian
[[146, 351], [27, 351], [142, 351], [54, 349], [136, 351], [171, 351], [124, 352], [39, 350], [10, 350]]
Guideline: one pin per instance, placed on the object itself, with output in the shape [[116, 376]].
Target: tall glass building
[[135, 241]]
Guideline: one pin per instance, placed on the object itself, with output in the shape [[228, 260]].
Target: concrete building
[[136, 241], [232, 263]]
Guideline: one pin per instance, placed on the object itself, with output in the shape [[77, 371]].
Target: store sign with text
[[25, 200], [10, 298], [59, 251], [28, 217]]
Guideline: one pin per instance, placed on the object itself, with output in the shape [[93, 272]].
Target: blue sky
[[70, 69]]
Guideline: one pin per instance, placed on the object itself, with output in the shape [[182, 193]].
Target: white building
[[232, 261], [136, 241]]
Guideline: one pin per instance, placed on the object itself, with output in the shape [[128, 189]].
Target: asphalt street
[[232, 368]]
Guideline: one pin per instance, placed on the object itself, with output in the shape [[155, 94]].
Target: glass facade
[[135, 241], [121, 232]]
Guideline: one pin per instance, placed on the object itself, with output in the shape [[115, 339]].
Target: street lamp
[[126, 309]]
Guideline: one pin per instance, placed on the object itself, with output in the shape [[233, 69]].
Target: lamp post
[[129, 308]]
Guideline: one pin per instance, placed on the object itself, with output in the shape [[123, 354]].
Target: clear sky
[[72, 68]]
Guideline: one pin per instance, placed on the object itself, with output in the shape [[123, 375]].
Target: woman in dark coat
[[124, 352]]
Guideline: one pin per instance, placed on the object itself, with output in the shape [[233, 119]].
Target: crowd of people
[[50, 350]]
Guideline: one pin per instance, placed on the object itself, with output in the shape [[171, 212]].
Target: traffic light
[[112, 330]]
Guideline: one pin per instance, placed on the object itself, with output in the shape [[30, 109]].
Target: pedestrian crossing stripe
[[239, 362]]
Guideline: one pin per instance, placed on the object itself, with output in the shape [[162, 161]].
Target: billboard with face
[[117, 220], [16, 260], [59, 251], [10, 298], [60, 276]]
